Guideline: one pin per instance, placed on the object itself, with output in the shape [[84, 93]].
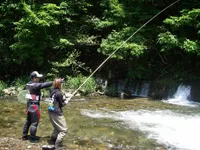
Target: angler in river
[[34, 108], [33, 105], [56, 102]]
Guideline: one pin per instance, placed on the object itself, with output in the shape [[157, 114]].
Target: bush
[[3, 85], [20, 83], [74, 82]]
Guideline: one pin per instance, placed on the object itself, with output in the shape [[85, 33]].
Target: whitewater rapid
[[174, 130]]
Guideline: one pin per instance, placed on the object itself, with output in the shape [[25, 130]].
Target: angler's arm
[[43, 85]]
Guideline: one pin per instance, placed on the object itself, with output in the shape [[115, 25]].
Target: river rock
[[10, 91], [29, 147]]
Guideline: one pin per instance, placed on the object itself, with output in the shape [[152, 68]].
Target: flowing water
[[181, 97], [172, 129], [112, 123], [141, 90]]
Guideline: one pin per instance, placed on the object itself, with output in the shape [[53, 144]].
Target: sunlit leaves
[[117, 40], [86, 40], [31, 31], [116, 8], [65, 42], [114, 11], [49, 13], [182, 41], [23, 34], [168, 39], [100, 24], [191, 46], [188, 18], [45, 16]]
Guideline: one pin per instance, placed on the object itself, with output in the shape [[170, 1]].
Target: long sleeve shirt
[[57, 101]]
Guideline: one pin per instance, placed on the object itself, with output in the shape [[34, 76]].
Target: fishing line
[[121, 46]]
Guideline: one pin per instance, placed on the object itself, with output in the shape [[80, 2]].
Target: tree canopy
[[67, 37]]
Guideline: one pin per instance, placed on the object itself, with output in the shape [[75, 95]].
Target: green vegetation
[[89, 87], [69, 38], [20, 82], [3, 85]]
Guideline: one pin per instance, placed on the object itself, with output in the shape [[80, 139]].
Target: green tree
[[181, 39]]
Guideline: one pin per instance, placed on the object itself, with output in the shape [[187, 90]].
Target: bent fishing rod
[[120, 47]]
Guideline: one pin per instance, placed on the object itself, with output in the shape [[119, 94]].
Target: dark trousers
[[32, 120]]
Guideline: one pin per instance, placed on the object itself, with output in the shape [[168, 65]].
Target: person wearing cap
[[33, 105], [56, 102]]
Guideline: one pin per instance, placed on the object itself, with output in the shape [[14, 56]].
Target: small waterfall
[[181, 97], [135, 90], [183, 92], [144, 90], [141, 90]]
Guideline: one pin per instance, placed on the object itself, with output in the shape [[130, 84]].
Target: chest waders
[[33, 113]]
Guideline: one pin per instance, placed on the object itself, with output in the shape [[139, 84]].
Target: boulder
[[10, 91]]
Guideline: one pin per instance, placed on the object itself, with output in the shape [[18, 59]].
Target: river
[[112, 123]]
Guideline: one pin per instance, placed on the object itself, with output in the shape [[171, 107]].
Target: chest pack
[[34, 97], [51, 103]]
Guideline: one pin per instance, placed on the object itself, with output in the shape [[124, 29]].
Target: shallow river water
[[112, 123]]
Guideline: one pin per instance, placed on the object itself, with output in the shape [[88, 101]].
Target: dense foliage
[[68, 38]]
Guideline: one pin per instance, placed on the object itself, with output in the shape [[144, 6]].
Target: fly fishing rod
[[120, 47]]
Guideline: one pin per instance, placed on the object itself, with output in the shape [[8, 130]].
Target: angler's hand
[[67, 100], [62, 80]]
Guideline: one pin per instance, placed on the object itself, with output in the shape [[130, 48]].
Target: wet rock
[[125, 95], [10, 91]]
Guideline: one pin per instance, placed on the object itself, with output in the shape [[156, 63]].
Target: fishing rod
[[120, 47]]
